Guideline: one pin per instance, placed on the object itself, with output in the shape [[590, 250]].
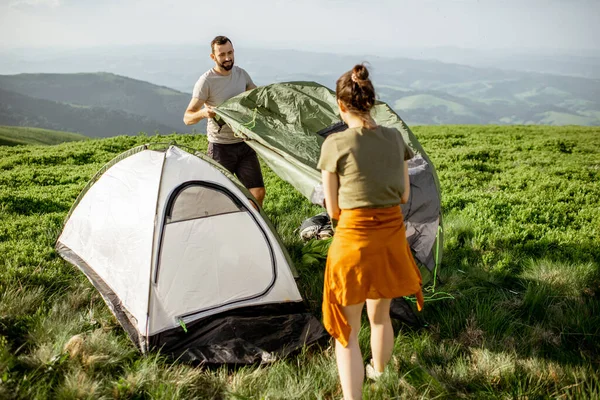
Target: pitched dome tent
[[283, 123], [185, 261]]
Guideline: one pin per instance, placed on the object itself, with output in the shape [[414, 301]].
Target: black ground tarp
[[249, 335]]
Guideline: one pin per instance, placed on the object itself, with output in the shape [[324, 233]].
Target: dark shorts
[[239, 159]]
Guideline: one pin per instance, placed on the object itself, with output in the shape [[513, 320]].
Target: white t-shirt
[[215, 89]]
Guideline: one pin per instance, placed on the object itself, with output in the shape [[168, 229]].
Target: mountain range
[[147, 89], [98, 104]]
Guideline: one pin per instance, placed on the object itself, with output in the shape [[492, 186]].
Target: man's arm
[[249, 82], [195, 113]]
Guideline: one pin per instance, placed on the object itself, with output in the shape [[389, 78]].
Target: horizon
[[17, 60], [515, 49], [428, 53]]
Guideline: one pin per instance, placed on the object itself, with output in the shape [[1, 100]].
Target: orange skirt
[[369, 258]]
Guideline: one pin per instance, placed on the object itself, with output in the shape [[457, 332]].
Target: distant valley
[[147, 89], [96, 105]]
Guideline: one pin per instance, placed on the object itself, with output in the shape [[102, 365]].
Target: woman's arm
[[406, 194], [331, 185]]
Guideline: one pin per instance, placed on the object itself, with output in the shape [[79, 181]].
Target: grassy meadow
[[521, 270]]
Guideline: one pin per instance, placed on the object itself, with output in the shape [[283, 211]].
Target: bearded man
[[215, 86]]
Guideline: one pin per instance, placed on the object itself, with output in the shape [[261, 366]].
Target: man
[[217, 85]]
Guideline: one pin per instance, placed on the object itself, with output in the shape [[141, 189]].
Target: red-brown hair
[[355, 90]]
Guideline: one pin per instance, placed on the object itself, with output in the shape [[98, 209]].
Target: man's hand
[[209, 112], [195, 113]]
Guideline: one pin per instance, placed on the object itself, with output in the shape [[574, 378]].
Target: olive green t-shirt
[[370, 166]]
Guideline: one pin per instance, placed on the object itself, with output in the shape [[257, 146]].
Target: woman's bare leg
[[349, 359], [382, 333]]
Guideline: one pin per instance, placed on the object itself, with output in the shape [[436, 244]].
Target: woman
[[365, 178]]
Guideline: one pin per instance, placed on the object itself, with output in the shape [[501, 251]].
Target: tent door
[[213, 252]]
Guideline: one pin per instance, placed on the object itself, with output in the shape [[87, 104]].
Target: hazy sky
[[318, 25]]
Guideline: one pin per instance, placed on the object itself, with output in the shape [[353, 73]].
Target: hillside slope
[[15, 136], [110, 91], [19, 110]]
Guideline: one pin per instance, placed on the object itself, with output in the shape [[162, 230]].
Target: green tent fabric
[[280, 122]]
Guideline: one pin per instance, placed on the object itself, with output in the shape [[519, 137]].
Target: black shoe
[[311, 227]]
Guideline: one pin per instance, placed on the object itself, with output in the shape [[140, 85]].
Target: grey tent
[[286, 123], [187, 264]]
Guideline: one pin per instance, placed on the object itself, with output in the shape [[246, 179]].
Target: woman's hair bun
[[355, 90], [361, 72]]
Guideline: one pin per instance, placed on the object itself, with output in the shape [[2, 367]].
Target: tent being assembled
[[282, 123], [185, 261]]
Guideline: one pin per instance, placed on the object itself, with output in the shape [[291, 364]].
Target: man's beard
[[227, 65]]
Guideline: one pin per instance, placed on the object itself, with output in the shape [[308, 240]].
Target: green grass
[[521, 260], [17, 136]]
